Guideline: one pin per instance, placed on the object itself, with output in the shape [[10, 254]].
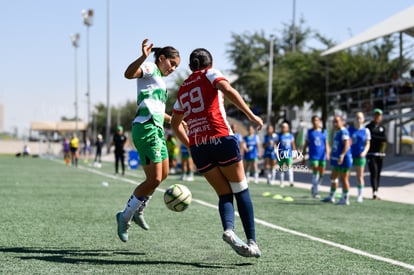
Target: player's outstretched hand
[[258, 120], [146, 49]]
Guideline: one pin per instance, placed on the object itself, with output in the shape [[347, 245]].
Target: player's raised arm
[[134, 70], [235, 98]]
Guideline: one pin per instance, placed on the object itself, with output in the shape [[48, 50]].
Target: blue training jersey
[[183, 149], [239, 138], [317, 144], [359, 139], [269, 146], [338, 145], [285, 145], [252, 145]]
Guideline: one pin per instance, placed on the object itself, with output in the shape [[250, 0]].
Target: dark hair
[[200, 59], [315, 117], [168, 52]]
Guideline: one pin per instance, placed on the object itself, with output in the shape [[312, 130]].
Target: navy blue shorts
[[222, 151]]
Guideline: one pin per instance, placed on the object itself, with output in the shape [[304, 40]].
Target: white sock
[[360, 191], [290, 175], [143, 204], [247, 175], [132, 205], [315, 179], [320, 180], [268, 174]]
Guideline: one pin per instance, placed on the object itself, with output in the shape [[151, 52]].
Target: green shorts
[[185, 156], [341, 169], [285, 161], [251, 160], [150, 142], [317, 163], [359, 162]]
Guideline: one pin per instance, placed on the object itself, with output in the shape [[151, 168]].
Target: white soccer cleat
[[254, 249], [343, 201], [138, 218], [236, 243]]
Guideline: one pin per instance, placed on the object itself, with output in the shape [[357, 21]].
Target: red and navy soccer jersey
[[203, 106]]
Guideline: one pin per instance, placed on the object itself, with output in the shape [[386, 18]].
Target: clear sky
[[37, 59]]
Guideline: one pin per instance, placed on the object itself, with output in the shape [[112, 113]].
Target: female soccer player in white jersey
[[214, 148], [147, 129]]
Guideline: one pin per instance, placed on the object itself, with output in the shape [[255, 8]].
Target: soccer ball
[[177, 197]]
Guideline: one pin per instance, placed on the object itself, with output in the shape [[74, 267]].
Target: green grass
[[61, 220]]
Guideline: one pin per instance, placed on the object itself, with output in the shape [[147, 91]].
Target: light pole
[[87, 16], [75, 39], [294, 27], [108, 107], [270, 82]]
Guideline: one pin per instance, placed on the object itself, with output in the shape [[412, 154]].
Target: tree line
[[300, 73]]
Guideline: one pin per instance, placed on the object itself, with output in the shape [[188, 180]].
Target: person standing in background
[[173, 151], [251, 153], [119, 141], [269, 154], [285, 146], [66, 150], [187, 166], [317, 142], [376, 152], [361, 137], [74, 149], [341, 161], [238, 136], [98, 153]]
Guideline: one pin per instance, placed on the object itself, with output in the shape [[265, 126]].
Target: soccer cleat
[[238, 245], [122, 227], [314, 192], [375, 197], [328, 199], [343, 201], [254, 249], [138, 218], [316, 196], [360, 199]]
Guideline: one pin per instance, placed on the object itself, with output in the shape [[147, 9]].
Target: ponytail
[[200, 59]]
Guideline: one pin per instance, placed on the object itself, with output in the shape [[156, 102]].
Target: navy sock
[[245, 208], [226, 210]]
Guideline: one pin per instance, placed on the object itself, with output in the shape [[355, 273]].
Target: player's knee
[[237, 187]]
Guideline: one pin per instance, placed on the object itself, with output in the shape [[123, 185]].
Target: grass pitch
[[56, 219]]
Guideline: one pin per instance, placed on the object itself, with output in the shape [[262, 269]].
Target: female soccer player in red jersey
[[214, 148]]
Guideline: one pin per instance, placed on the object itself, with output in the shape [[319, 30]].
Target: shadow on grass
[[79, 256]]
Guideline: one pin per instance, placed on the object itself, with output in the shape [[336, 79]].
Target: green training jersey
[[151, 95]]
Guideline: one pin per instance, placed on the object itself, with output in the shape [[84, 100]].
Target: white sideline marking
[[270, 225]]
